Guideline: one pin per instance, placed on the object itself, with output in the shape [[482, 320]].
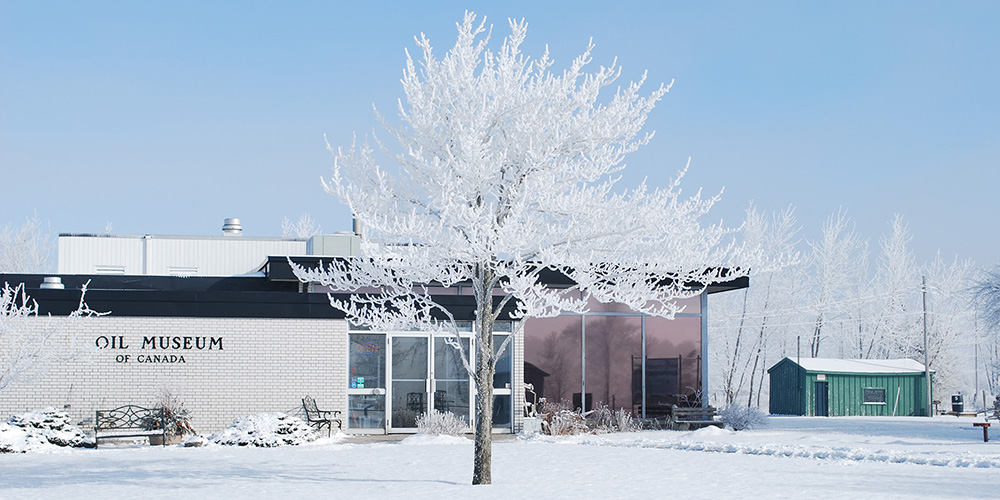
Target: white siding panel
[[85, 254], [216, 257], [165, 255]]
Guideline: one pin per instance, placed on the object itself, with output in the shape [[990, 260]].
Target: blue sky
[[166, 117]]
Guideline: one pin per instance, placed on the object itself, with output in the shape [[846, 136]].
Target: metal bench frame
[[129, 421], [321, 418]]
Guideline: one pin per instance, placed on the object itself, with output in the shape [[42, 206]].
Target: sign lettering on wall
[[156, 348]]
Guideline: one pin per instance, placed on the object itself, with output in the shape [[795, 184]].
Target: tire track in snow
[[815, 453]]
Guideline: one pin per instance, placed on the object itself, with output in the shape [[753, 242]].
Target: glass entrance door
[[426, 373], [410, 381], [451, 379]]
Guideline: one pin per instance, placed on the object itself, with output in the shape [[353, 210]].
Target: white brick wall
[[518, 385], [265, 365]]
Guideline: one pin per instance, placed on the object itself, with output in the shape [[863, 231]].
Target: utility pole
[[975, 329], [927, 368]]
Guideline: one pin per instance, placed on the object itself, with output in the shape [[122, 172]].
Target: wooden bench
[[129, 421], [321, 418], [686, 418]]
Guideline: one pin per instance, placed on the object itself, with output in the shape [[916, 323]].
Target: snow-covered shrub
[[603, 419], [740, 418], [559, 420], [14, 439], [564, 422], [265, 430], [438, 423], [28, 431], [624, 421]]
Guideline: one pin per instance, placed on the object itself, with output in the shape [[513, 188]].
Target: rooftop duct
[[52, 283], [232, 227]]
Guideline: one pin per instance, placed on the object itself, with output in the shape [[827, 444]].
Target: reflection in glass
[[691, 306], [501, 379], [365, 411], [409, 358], [409, 380], [673, 363], [366, 361], [503, 326], [614, 360], [501, 410], [408, 402], [453, 396], [448, 360], [612, 343], [552, 357], [451, 379]]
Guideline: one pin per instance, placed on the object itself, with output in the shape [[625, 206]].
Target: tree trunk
[[763, 371], [814, 348], [482, 468], [761, 339], [483, 458], [733, 365]]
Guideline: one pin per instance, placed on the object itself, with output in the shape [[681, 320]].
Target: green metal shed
[[846, 387]]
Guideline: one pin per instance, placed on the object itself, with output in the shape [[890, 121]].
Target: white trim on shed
[[831, 365]]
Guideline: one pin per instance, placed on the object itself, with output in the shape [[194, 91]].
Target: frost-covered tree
[[832, 268], [840, 306], [893, 323], [302, 228], [950, 322], [26, 347], [986, 290], [505, 170], [857, 307], [749, 319], [25, 248]]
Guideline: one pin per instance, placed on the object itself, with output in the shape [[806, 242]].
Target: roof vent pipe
[[356, 225], [232, 227], [52, 283]]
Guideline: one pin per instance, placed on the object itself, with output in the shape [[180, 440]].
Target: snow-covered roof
[[861, 365]]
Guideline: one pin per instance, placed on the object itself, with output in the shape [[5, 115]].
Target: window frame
[[865, 393]]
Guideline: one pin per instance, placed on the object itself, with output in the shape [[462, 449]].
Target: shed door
[[822, 399]]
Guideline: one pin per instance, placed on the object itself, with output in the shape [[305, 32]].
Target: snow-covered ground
[[794, 457]]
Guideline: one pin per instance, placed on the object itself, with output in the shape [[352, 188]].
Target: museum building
[[223, 323]]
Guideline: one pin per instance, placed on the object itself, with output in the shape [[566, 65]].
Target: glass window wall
[[613, 342], [618, 371], [552, 348], [673, 363]]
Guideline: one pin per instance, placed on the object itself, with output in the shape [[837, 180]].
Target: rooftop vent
[[232, 227], [52, 283]]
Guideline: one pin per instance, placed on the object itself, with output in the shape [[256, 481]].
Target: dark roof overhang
[[276, 268]]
